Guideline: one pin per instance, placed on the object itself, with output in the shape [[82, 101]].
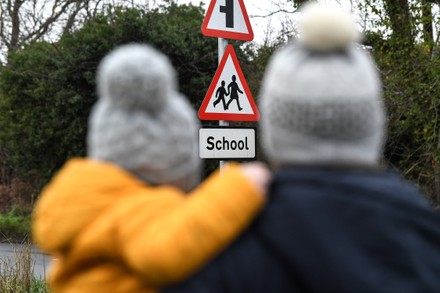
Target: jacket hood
[[317, 201], [363, 221], [80, 191]]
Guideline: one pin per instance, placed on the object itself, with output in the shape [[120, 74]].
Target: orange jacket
[[110, 232]]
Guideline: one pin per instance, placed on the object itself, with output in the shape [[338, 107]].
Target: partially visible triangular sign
[[227, 19], [228, 96]]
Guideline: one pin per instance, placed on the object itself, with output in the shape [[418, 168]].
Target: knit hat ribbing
[[321, 100], [140, 122]]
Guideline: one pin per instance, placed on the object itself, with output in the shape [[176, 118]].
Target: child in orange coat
[[119, 220]]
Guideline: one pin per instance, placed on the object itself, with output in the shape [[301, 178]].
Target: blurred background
[[50, 50]]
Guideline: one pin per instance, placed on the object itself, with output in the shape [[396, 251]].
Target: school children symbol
[[232, 92], [228, 96]]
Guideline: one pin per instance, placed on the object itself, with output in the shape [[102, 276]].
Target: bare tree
[[22, 22], [25, 21]]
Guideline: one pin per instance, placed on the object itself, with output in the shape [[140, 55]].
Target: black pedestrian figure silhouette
[[233, 90], [220, 95]]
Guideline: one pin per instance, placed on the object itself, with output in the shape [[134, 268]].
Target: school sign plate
[[223, 143]]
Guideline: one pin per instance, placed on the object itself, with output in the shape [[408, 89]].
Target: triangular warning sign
[[227, 19], [228, 96]]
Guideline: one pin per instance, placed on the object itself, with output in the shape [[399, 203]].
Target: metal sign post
[[222, 43], [227, 19]]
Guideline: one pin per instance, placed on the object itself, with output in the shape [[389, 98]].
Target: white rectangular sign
[[227, 143]]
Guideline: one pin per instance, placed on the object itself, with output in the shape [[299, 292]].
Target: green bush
[[14, 226]]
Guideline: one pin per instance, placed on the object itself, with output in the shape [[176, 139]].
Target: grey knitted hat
[[321, 100], [140, 121]]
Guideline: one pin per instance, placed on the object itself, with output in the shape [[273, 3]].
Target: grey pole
[[222, 43]]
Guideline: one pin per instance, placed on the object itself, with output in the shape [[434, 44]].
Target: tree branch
[[274, 13]]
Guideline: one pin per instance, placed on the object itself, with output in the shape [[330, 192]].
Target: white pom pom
[[326, 28]]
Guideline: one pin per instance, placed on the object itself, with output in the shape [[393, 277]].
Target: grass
[[15, 226], [17, 275], [17, 269]]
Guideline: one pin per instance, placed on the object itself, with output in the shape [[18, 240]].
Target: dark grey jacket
[[332, 231]]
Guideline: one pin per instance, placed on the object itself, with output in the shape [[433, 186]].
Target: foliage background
[[47, 87]]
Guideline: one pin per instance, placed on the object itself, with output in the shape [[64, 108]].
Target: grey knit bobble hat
[[321, 100], [140, 122]]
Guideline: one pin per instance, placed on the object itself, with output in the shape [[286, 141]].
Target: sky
[[266, 24]]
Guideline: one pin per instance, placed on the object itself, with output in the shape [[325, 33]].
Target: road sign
[[223, 143], [229, 96], [227, 19]]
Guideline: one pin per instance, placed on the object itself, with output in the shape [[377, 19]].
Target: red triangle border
[[203, 115]]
